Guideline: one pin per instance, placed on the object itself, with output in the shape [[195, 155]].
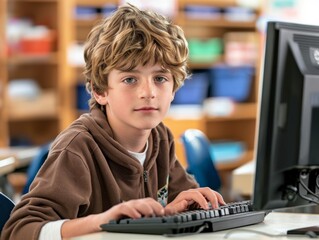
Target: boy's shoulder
[[75, 134], [164, 131]]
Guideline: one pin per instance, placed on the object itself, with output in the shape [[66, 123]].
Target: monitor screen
[[287, 151]]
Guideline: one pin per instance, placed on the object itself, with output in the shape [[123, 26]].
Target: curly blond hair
[[131, 37]]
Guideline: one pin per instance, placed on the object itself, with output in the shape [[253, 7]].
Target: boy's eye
[[130, 80], [160, 79]]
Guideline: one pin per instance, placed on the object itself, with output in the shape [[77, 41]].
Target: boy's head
[[132, 37]]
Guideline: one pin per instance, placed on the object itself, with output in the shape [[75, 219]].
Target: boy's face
[[138, 99]]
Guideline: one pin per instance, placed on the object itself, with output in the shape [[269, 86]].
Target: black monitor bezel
[[262, 197]]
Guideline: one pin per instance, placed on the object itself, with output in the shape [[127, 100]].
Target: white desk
[[275, 223], [23, 155], [7, 165]]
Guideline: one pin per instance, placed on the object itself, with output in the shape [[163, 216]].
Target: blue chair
[[6, 206], [36, 165], [200, 163], [21, 181]]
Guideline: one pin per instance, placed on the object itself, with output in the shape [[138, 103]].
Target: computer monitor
[[287, 152]]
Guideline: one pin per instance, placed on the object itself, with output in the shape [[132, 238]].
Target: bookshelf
[[37, 119], [3, 76]]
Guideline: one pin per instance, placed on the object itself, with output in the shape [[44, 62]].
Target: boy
[[118, 160]]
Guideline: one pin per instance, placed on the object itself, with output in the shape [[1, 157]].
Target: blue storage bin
[[225, 151], [202, 11], [194, 90], [85, 12], [239, 14], [82, 97], [231, 81], [108, 9]]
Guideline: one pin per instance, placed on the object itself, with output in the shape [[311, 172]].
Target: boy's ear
[[100, 98]]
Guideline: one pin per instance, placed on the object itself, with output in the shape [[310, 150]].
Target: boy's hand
[[134, 209], [201, 197]]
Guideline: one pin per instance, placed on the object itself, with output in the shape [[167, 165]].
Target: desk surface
[[275, 223], [7, 165], [22, 155]]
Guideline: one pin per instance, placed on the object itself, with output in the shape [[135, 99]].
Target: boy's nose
[[147, 89]]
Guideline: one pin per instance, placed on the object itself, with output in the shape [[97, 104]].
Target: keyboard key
[[226, 211]]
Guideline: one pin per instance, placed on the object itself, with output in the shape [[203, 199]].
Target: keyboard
[[232, 215]]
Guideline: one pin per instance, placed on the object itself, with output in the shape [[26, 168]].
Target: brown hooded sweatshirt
[[88, 172]]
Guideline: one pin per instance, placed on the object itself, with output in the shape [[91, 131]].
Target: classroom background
[[42, 87]]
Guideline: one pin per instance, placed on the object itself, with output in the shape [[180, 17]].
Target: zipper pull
[[145, 176]]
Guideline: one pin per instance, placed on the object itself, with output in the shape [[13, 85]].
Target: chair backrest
[[36, 165], [199, 159], [6, 206]]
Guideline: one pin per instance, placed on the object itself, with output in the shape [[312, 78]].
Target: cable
[[310, 192], [228, 234]]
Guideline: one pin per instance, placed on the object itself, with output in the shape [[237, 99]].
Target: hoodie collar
[[96, 122]]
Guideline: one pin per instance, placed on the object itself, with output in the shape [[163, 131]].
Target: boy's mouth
[[146, 109]]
